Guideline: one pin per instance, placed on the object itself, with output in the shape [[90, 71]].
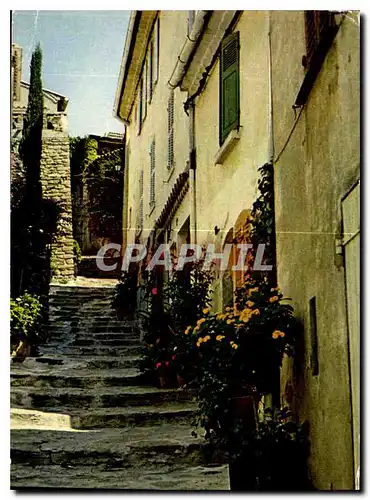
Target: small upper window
[[320, 30], [319, 25], [170, 129], [229, 85]]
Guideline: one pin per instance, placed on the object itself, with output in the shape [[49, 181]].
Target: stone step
[[182, 412], [90, 291], [69, 377], [124, 447], [91, 350], [102, 335], [70, 341], [83, 340], [99, 362], [70, 398], [167, 477]]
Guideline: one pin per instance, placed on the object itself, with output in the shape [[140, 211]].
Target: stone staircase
[[83, 418]]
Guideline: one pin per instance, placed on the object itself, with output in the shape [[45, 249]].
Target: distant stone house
[[99, 222], [209, 96], [55, 174]]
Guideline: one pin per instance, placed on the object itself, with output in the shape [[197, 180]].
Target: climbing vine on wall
[[262, 223], [96, 188]]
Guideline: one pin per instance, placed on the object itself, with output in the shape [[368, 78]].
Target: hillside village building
[[207, 97]]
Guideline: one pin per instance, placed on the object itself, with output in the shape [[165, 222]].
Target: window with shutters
[[320, 30], [152, 173], [150, 70], [140, 109], [140, 212], [145, 90], [229, 86], [156, 52], [318, 24], [170, 112]]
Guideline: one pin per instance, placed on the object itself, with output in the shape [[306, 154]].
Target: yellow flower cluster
[[233, 345], [247, 313], [252, 290], [187, 331], [206, 311], [277, 333], [220, 337], [221, 316], [203, 339]]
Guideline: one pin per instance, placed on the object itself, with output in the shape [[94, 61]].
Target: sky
[[82, 52]]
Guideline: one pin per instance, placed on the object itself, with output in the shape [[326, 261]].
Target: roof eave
[[125, 62]]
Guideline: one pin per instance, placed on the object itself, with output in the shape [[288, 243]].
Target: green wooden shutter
[[229, 85]]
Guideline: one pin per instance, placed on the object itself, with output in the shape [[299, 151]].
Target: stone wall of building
[[56, 187]]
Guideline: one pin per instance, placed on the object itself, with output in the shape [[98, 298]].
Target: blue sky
[[82, 51]]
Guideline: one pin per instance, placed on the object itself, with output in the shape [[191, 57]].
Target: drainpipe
[[270, 151], [188, 48], [192, 184]]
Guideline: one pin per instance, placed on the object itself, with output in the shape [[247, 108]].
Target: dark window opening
[[313, 332], [320, 29]]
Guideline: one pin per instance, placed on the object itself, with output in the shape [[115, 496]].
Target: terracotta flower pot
[[245, 404]]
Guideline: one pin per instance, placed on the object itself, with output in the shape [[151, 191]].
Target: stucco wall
[[318, 166], [223, 191], [173, 30]]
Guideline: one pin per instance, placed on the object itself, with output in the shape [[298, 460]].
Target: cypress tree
[[32, 131], [27, 233]]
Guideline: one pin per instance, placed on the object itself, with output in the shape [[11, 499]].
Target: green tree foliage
[[31, 144], [32, 219]]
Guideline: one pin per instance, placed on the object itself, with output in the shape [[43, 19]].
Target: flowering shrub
[[238, 352]]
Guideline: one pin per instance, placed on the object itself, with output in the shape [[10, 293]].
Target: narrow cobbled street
[[81, 416]]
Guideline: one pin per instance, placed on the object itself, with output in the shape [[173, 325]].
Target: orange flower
[[206, 311], [220, 337], [250, 303], [188, 330], [274, 298], [245, 315], [257, 312], [277, 333], [200, 321]]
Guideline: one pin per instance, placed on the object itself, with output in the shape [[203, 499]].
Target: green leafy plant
[[26, 317], [77, 251]]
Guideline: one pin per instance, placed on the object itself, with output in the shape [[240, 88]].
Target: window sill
[[151, 208], [227, 146], [170, 173]]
